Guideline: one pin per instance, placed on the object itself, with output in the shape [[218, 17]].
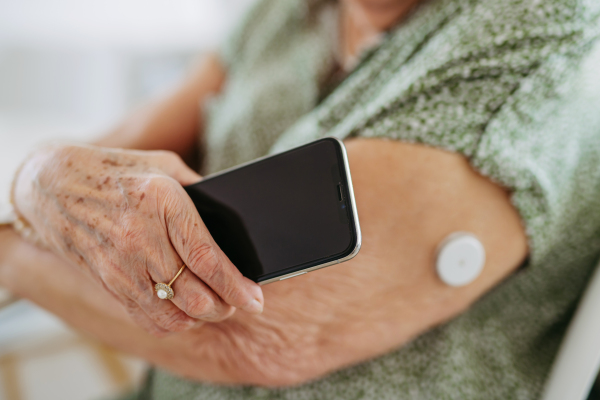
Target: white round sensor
[[460, 259]]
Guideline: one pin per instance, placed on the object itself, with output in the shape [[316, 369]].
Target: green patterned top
[[514, 85]]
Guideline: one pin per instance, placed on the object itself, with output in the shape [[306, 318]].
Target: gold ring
[[164, 291]]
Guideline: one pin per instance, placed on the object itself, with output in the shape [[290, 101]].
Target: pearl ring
[[164, 291]]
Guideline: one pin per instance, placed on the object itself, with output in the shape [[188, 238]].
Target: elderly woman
[[474, 116]]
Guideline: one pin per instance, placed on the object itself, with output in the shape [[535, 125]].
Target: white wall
[[80, 64]]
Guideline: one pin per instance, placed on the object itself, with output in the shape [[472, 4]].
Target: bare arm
[[337, 316], [174, 121]]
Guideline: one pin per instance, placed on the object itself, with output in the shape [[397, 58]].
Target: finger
[[138, 287], [171, 164], [198, 300], [191, 295], [165, 314], [139, 290], [202, 255]]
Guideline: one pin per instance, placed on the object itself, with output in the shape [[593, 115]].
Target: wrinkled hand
[[123, 216]]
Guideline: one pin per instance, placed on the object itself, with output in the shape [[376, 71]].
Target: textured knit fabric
[[514, 85]]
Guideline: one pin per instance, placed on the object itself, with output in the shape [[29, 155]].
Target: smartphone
[[283, 215]]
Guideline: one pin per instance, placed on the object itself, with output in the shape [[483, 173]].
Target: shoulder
[[500, 35], [267, 25]]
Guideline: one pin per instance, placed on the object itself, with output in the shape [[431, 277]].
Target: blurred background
[[70, 69]]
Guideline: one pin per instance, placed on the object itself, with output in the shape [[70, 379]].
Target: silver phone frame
[[350, 198]]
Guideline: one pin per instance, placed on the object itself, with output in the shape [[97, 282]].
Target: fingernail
[[254, 307]]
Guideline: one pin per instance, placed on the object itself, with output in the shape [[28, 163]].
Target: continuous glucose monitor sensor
[[460, 259]]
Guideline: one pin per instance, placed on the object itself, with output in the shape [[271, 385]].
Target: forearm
[[175, 121], [62, 289]]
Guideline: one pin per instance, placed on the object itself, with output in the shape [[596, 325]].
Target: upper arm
[[409, 198]]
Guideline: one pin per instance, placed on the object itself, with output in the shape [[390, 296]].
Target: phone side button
[[291, 276]]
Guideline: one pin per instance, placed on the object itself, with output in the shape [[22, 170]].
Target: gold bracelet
[[20, 224]]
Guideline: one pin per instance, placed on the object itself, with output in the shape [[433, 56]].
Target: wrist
[[23, 198], [21, 193]]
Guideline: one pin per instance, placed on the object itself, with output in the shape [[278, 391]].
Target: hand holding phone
[[284, 215]]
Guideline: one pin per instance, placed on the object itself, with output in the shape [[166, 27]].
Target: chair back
[[578, 360]]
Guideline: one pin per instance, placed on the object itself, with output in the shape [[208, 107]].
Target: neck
[[356, 32], [362, 24]]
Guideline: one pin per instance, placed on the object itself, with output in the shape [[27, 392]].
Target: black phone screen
[[284, 213]]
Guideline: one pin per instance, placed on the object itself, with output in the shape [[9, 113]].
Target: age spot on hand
[[111, 163]]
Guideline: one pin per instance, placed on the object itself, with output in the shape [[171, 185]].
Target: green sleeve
[[544, 145]]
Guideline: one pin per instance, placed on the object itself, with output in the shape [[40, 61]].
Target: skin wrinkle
[[156, 270], [71, 252], [269, 348], [135, 246], [274, 352], [160, 209], [163, 218], [165, 264], [90, 225], [123, 191], [201, 304], [92, 229], [240, 352], [89, 228]]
